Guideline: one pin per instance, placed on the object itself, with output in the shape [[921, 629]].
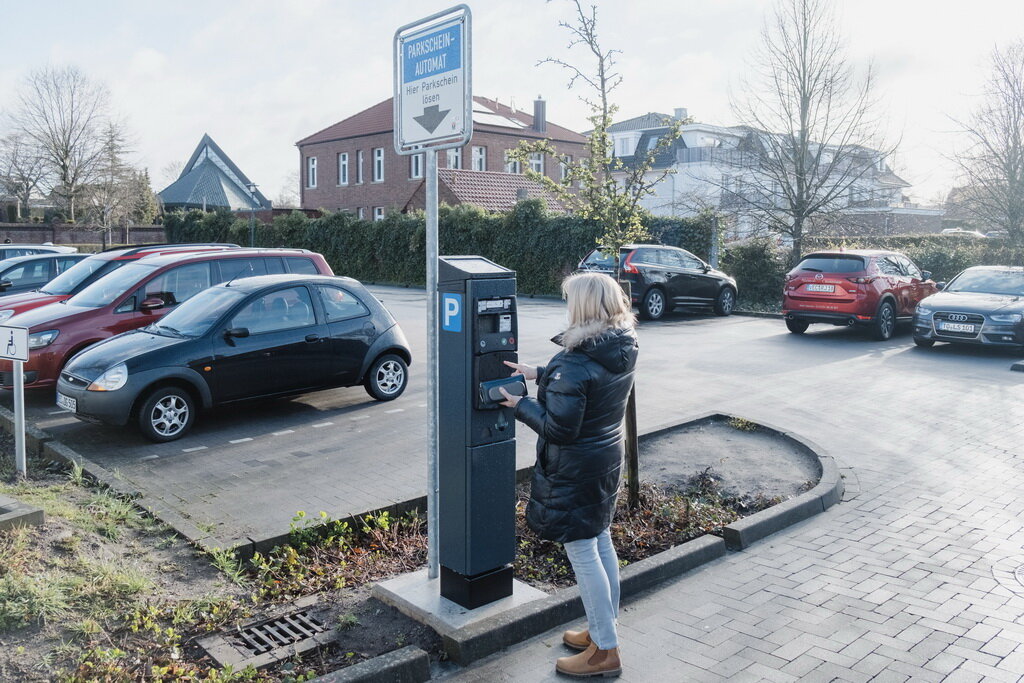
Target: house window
[[378, 164], [479, 158], [311, 172], [565, 164], [343, 168], [416, 166], [455, 158], [537, 162], [360, 213], [378, 213], [359, 167], [511, 166]]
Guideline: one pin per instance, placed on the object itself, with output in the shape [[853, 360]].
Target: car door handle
[[312, 338]]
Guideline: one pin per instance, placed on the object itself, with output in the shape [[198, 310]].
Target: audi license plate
[[66, 402], [956, 327], [821, 288]]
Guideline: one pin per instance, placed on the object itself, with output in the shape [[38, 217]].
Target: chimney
[[680, 113], [540, 119]]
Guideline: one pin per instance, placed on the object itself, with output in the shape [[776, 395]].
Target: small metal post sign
[[433, 81], [433, 111], [14, 347]]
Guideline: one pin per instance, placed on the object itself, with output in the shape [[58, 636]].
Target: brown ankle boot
[[591, 662], [577, 640]]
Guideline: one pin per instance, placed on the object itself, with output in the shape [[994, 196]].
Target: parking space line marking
[[360, 417], [322, 424], [149, 457], [248, 438], [193, 450], [283, 432], [421, 405], [59, 412], [395, 410]]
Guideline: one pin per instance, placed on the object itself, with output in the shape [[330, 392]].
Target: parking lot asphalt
[[244, 472]]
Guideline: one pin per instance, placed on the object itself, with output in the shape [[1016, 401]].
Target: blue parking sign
[[451, 312]]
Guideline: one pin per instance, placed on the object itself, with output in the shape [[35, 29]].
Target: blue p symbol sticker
[[451, 312]]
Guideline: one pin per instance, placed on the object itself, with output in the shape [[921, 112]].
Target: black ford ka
[[264, 336], [981, 305]]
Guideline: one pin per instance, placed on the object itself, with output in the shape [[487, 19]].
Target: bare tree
[[600, 186], [109, 194], [288, 195], [171, 172], [22, 169], [812, 135], [64, 113], [993, 165]]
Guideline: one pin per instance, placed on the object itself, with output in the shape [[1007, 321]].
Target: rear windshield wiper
[[813, 270]]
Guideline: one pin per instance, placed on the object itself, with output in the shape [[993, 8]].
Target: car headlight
[[38, 340], [6, 315], [1006, 318], [111, 380], [923, 310]]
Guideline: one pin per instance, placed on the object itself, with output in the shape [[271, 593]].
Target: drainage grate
[[1009, 572], [291, 631], [280, 632]]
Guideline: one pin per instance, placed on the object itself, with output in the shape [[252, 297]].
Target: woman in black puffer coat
[[581, 400]]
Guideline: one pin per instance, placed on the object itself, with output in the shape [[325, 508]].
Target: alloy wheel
[[169, 416], [390, 377]]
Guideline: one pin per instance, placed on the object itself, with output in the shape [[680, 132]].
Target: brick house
[[352, 165]]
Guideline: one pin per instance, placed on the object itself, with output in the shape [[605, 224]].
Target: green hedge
[[540, 247]]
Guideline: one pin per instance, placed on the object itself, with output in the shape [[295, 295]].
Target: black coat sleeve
[[559, 418]]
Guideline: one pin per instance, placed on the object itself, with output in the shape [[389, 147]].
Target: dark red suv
[[136, 295], [875, 289]]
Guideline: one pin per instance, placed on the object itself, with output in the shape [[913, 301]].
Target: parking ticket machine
[[477, 447]]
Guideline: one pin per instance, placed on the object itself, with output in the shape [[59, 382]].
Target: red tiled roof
[[493, 191], [379, 119]]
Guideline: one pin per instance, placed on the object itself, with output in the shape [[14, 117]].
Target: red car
[[81, 275], [872, 288], [135, 296]]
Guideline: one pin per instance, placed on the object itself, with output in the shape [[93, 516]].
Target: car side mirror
[[940, 285], [5, 285], [236, 333], [151, 304], [926, 275], [705, 267]]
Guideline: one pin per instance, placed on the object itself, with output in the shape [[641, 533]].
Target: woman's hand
[[510, 400], [527, 371]]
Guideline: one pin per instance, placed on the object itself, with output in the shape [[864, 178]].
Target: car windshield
[[1005, 282], [105, 291], [195, 317], [72, 278], [824, 263], [598, 259]]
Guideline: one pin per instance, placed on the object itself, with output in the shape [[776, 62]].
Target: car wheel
[[885, 322], [387, 378], [167, 414], [924, 343], [725, 302], [797, 326], [653, 306]]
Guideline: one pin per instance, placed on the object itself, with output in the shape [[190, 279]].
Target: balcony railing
[[714, 155]]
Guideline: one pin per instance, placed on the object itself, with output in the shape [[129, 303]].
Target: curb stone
[[1018, 366], [408, 665], [758, 314], [14, 513]]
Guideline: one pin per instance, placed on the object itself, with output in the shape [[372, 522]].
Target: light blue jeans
[[597, 575]]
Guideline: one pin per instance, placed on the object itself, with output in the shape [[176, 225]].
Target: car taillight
[[863, 280], [627, 265]]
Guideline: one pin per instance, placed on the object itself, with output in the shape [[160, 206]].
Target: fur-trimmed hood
[[615, 349]]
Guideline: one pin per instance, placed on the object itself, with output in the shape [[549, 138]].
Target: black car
[[981, 305], [662, 278], [26, 273], [270, 335]]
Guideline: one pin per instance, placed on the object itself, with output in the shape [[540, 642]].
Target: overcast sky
[[261, 74]]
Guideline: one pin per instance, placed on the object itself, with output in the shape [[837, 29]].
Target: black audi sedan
[[264, 336], [981, 305], [663, 278]]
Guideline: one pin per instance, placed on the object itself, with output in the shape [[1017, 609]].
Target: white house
[[715, 167]]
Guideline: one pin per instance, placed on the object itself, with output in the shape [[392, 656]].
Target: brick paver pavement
[[899, 581]]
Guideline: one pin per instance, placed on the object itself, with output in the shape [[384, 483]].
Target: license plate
[[66, 402], [821, 288], [956, 327]]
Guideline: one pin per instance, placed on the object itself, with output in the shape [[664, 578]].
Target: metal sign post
[[14, 347], [433, 107]]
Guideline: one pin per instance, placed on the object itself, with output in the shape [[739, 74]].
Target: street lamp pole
[[252, 215]]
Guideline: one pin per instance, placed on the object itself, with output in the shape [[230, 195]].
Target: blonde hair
[[596, 304]]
